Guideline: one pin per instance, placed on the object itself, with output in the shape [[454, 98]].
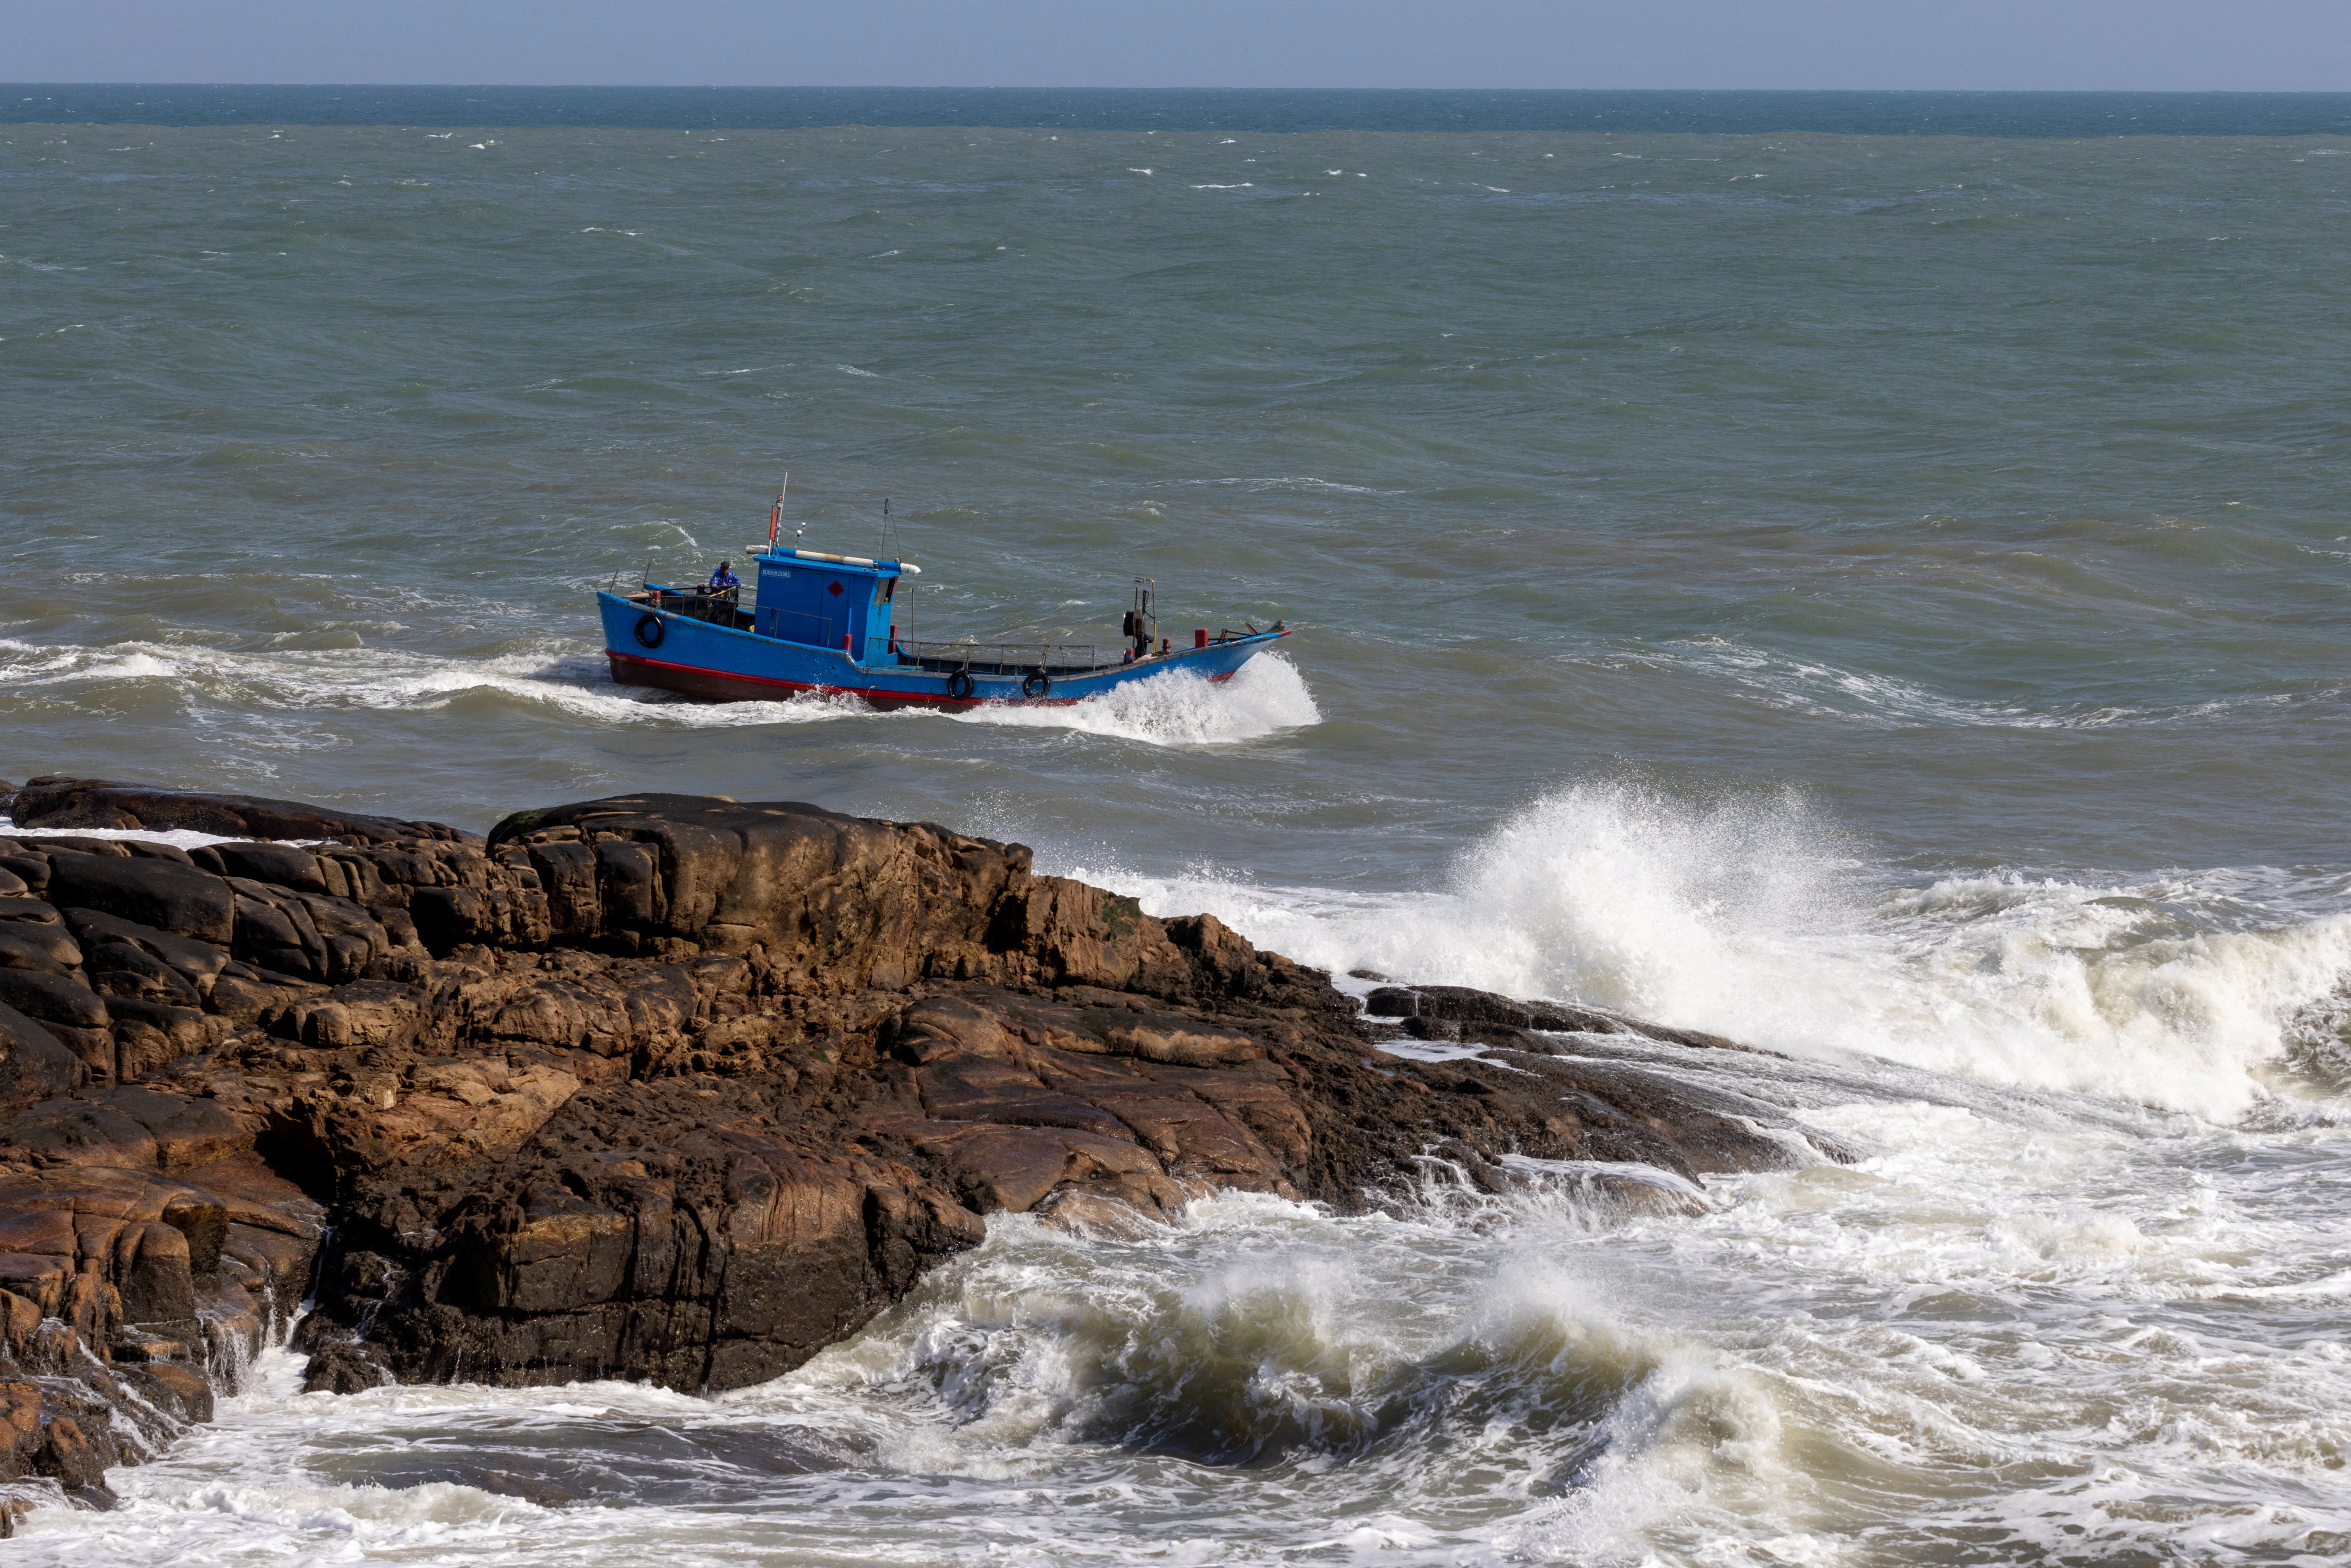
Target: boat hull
[[719, 663]]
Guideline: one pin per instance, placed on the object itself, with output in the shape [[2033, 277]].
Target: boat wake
[[289, 682], [1265, 697]]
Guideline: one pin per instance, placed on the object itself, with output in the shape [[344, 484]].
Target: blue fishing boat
[[825, 623]]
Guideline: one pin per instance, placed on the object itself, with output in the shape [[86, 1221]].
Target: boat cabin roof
[[783, 555]]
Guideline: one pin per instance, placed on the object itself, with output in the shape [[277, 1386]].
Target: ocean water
[[1258, 110], [1878, 595]]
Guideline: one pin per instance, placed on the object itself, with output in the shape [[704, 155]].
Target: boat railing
[[695, 604], [1000, 658]]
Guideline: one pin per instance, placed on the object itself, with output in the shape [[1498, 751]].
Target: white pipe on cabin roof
[[905, 566]]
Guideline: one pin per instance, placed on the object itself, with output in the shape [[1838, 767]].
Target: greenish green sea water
[[1879, 596]]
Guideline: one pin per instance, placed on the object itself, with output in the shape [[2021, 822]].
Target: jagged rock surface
[[658, 1087]]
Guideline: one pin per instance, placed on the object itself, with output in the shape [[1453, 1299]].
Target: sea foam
[[1755, 918]]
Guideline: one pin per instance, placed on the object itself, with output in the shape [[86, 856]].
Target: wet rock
[[128, 1274], [36, 1439], [1458, 1012], [340, 1366], [179, 1392]]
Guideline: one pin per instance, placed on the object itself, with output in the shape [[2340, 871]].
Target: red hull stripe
[[722, 686]]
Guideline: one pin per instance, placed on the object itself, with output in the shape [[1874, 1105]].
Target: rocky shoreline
[[658, 1087]]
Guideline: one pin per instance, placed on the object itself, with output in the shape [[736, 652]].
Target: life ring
[[958, 685], [650, 631], [1037, 683]]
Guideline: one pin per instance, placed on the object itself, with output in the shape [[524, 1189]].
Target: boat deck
[[966, 656]]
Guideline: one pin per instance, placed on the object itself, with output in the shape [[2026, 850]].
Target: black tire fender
[[1037, 683], [958, 685], [650, 631]]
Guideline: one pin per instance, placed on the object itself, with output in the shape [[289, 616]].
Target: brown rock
[[33, 1064], [62, 802], [171, 897], [20, 1429], [53, 999], [195, 961], [177, 1391], [38, 1438], [48, 948]]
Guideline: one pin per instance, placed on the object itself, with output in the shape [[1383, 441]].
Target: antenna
[[775, 517], [884, 552]]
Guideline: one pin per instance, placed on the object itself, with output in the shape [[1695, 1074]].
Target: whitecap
[[1802, 685], [1294, 481]]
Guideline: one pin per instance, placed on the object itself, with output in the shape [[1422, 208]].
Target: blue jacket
[[723, 578]]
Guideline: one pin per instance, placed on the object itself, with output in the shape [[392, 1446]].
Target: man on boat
[[724, 583]]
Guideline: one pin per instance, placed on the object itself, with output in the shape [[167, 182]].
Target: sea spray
[[1753, 917]]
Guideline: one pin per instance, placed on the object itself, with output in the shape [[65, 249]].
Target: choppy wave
[[1757, 920], [1911, 1360]]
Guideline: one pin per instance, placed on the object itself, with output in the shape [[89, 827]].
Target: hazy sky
[[2248, 45]]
